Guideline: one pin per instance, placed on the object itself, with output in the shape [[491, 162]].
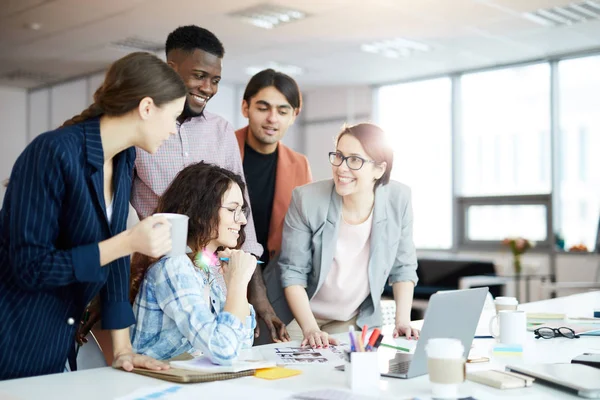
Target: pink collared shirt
[[208, 138]]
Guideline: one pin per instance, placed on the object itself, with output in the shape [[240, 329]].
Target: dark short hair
[[280, 81], [373, 139], [128, 81], [191, 37]]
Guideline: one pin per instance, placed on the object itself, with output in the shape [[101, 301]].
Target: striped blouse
[[52, 219]]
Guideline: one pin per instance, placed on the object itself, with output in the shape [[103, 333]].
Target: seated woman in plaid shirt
[[190, 303]]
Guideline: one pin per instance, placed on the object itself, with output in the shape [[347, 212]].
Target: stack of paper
[[203, 364]]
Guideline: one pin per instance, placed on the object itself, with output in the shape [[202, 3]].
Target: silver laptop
[[450, 314], [579, 379]]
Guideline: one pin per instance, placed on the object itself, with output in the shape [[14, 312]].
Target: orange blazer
[[292, 171]]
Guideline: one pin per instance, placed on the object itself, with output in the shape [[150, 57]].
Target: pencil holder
[[362, 372]]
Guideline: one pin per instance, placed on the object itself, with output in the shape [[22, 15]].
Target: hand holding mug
[[151, 236]]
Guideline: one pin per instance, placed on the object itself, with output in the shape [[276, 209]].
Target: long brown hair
[[128, 81], [197, 191]]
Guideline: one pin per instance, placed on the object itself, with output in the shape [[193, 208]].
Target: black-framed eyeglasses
[[545, 332], [353, 162], [237, 212]]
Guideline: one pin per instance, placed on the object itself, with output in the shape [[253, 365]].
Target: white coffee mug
[[179, 232], [446, 366], [512, 327]]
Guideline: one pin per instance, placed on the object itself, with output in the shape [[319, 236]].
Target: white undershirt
[[109, 212]]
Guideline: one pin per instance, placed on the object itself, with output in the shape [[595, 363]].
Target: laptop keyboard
[[399, 367]]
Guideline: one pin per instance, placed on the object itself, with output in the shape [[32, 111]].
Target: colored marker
[[352, 338], [226, 259], [372, 339], [395, 347], [377, 342], [363, 334]]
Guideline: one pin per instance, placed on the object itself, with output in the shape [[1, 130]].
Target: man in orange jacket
[[272, 101]]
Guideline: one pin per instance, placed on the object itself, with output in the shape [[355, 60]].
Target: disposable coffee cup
[[446, 367], [179, 231], [505, 303]]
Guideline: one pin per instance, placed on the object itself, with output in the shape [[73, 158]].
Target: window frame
[[463, 203]]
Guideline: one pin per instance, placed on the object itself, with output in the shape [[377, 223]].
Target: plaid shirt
[[179, 309], [207, 138]]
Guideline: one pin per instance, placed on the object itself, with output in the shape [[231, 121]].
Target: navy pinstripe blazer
[[52, 219]]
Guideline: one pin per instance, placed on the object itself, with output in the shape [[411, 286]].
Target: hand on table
[[129, 360], [316, 339], [404, 329]]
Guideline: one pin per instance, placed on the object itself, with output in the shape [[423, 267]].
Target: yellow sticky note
[[276, 373], [545, 316]]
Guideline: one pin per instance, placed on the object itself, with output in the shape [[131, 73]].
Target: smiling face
[[348, 181], [201, 73], [158, 123], [269, 117], [229, 228]]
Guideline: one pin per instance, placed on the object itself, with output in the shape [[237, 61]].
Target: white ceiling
[[463, 34]]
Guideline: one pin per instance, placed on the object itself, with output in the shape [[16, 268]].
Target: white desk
[[107, 383]]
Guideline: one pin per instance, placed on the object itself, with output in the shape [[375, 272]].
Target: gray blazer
[[309, 239]]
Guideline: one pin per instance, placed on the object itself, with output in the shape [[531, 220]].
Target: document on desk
[[204, 364], [308, 355], [213, 390]]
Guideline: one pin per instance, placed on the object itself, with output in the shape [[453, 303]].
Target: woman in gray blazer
[[344, 238]]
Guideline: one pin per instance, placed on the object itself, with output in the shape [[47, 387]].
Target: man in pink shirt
[[197, 55]]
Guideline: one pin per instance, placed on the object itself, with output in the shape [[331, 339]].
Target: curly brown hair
[[197, 191]]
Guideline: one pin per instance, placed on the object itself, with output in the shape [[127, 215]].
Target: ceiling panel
[[75, 35], [11, 8], [527, 5]]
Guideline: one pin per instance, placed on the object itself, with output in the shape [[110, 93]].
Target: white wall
[[13, 130], [227, 103], [325, 111]]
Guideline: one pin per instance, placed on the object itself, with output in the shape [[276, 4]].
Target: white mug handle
[[492, 327]]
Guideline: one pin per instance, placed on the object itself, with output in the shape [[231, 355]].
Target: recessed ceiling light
[[567, 15], [285, 68], [32, 76], [34, 26], [132, 44], [395, 48], [268, 16]]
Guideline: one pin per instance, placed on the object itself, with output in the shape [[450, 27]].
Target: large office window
[[417, 118], [505, 132], [505, 150], [579, 162]]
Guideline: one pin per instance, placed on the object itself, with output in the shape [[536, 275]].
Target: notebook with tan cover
[[186, 376]]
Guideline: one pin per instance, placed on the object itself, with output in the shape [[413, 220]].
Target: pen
[[352, 339], [395, 347], [361, 346], [226, 259], [363, 334]]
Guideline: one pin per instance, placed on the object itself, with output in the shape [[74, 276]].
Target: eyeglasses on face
[[237, 212], [353, 162], [545, 332]]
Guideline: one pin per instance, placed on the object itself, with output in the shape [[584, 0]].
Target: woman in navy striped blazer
[[62, 224]]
